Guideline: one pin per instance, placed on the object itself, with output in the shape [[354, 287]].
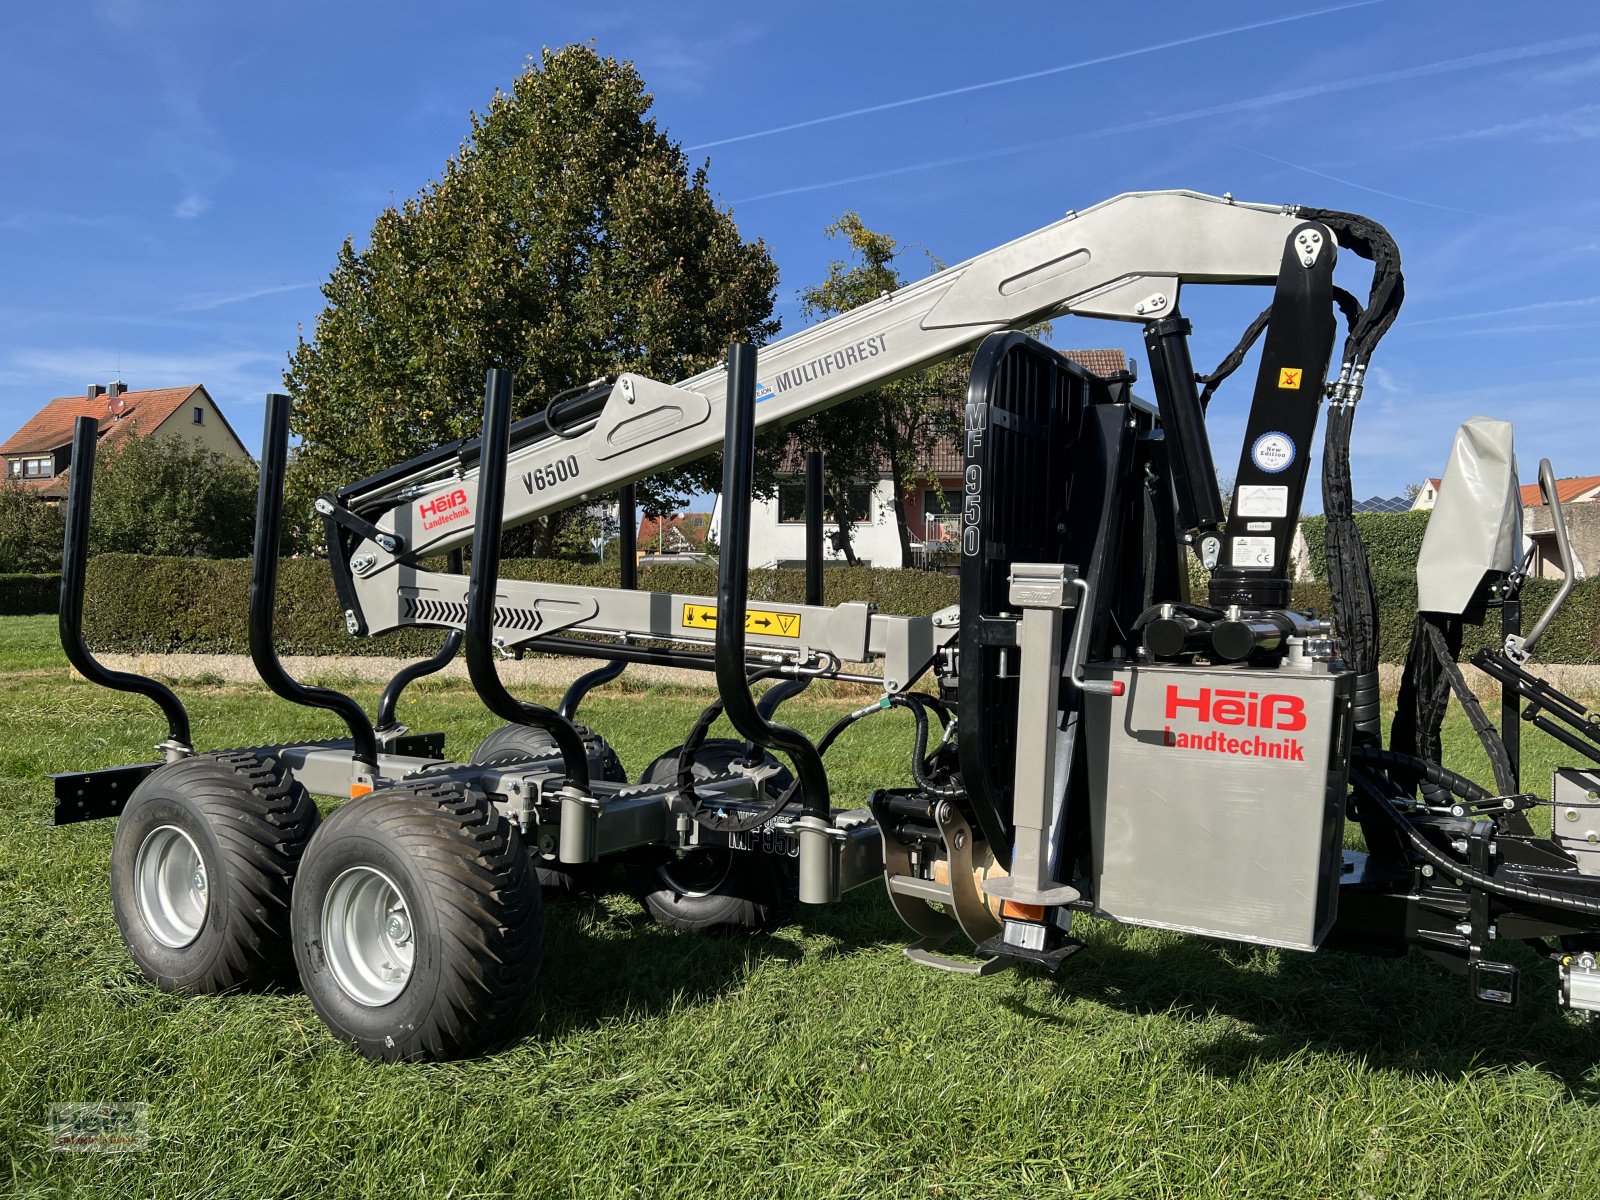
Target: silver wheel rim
[[368, 936], [172, 886]]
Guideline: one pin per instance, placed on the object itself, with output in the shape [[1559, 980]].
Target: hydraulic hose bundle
[[922, 770], [1349, 575]]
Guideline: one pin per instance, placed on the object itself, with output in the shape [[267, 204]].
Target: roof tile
[[51, 427], [1567, 490]]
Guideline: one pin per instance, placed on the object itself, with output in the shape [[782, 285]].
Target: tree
[[171, 496], [30, 531], [897, 423], [567, 240]]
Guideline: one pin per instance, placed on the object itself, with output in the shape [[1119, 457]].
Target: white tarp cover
[[1476, 526]]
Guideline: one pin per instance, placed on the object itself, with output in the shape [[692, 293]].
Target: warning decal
[[756, 620], [1289, 377]]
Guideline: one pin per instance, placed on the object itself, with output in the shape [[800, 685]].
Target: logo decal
[[1274, 712], [826, 364], [444, 509], [1273, 452]]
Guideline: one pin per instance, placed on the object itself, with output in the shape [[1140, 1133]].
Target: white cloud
[[191, 206], [211, 300], [1580, 124], [1571, 73], [1510, 311]]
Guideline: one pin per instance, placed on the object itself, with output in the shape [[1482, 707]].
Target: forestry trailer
[[1088, 737]]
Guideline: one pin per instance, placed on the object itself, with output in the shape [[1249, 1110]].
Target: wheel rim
[[172, 886], [700, 872], [368, 936]]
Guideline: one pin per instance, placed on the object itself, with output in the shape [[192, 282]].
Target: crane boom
[[1123, 259]]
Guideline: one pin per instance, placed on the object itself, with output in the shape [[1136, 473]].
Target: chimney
[[115, 389], [95, 391]]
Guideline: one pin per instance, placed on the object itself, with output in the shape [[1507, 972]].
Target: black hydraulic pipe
[[628, 536], [264, 592], [733, 585], [483, 581], [628, 566], [1510, 725], [1183, 422], [74, 569], [407, 675], [562, 418], [814, 527], [687, 660]]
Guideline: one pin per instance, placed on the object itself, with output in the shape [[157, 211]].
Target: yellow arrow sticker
[[756, 620]]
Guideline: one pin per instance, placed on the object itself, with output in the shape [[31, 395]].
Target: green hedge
[[138, 604], [1574, 637], [160, 605], [1393, 541], [29, 595]]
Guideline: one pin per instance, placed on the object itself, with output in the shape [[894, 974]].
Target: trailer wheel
[[418, 924], [713, 889], [512, 743], [202, 864]]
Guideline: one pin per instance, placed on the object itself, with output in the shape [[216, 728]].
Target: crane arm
[[1124, 259]]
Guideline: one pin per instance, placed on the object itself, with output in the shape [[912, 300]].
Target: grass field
[[816, 1062]]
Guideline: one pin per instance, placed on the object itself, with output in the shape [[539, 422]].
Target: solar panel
[[1380, 504]]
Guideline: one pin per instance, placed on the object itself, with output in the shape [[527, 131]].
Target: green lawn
[[814, 1062]]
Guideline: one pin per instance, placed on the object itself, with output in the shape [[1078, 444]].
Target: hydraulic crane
[[1095, 740]]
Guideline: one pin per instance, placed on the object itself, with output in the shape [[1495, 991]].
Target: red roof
[[1567, 490], [1101, 362], [693, 526], [51, 427]]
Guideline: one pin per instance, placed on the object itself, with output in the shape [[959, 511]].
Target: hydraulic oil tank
[[1217, 798]]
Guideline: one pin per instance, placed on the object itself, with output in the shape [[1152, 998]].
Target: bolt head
[[198, 880], [398, 928]]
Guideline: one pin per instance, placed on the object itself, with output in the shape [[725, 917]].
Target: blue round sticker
[[1273, 452]]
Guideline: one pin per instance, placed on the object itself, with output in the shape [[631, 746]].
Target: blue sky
[[177, 177]]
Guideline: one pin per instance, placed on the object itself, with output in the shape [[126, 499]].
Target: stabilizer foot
[[922, 952]]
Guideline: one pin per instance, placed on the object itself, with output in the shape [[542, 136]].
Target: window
[[792, 504], [199, 415], [37, 468], [14, 468], [941, 500]]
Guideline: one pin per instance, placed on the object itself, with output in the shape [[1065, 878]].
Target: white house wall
[[876, 542]]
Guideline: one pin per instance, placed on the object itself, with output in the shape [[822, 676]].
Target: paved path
[[1583, 681]]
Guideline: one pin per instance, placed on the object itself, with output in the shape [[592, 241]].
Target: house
[[39, 455], [1578, 495], [932, 507], [674, 537], [1427, 495]]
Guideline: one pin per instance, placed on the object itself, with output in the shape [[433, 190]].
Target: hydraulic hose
[[1457, 785], [916, 703], [1429, 853]]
